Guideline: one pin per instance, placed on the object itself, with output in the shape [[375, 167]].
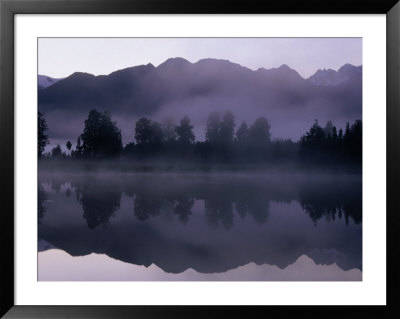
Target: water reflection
[[183, 208], [56, 265], [332, 201], [211, 223], [99, 201], [41, 198]]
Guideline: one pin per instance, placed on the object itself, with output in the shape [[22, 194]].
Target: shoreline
[[159, 166]]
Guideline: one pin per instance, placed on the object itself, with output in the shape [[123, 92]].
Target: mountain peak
[[81, 75], [221, 63], [349, 68], [212, 60], [177, 61], [329, 77], [45, 81], [319, 71], [285, 67]]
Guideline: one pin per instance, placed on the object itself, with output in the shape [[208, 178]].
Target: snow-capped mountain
[[329, 77], [46, 81]]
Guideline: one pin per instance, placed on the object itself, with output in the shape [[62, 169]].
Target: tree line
[[101, 139], [330, 145]]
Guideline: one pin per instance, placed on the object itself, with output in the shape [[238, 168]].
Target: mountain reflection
[[225, 221]]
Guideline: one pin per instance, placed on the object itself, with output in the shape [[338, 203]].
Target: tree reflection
[[146, 206], [68, 192], [183, 208], [151, 198], [56, 185], [41, 198], [254, 202], [331, 202], [99, 202], [219, 209]]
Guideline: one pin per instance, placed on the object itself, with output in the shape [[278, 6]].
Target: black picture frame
[[8, 8]]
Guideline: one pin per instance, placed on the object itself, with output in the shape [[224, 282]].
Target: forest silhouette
[[101, 139]]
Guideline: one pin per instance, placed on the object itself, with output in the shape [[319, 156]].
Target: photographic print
[[199, 159]]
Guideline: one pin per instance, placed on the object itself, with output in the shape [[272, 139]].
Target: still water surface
[[236, 226]]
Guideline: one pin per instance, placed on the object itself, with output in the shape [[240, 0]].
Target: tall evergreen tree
[[184, 132], [169, 132], [78, 148], [355, 141], [101, 137], [328, 129], [143, 131], [157, 135], [242, 133], [259, 132], [43, 139], [334, 135], [149, 137], [340, 135], [313, 143], [227, 128], [56, 151], [68, 145], [213, 128]]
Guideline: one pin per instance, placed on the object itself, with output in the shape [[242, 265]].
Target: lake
[[235, 226]]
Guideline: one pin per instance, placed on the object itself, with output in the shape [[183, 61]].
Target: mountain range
[[178, 87], [46, 81]]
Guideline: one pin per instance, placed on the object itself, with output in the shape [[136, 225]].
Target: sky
[[60, 57]]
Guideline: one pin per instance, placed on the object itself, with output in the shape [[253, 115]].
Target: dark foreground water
[[222, 226]]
